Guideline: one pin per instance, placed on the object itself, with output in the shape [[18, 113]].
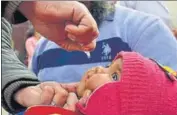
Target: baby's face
[[98, 76]]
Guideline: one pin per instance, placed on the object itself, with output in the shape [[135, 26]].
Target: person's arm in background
[[19, 85], [152, 38], [156, 8], [14, 74], [16, 78]]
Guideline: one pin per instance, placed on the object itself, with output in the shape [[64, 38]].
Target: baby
[[131, 85]]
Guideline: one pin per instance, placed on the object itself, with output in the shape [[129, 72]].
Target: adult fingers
[[70, 45], [82, 26], [89, 47], [82, 33], [71, 102], [60, 95], [70, 87], [47, 95]]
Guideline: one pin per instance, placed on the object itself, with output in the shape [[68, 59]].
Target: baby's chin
[[83, 100], [86, 95]]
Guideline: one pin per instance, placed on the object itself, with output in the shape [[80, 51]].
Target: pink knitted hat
[[144, 89]]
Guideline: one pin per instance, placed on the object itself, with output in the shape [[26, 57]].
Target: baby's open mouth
[[83, 99], [86, 95]]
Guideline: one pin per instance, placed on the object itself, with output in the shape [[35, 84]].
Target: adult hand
[[45, 93], [67, 23], [71, 102]]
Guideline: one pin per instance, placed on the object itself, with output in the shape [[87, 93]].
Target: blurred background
[[172, 6], [19, 32]]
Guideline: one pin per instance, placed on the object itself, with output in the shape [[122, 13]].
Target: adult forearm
[[15, 75], [10, 12], [27, 8]]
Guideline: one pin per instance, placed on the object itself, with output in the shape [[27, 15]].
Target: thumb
[[70, 45], [47, 95]]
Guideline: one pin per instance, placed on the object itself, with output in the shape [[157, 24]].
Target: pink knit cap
[[144, 89]]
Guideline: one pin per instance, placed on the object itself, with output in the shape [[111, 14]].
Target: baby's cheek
[[97, 80]]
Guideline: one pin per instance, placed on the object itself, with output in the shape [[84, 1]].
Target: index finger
[[71, 45], [70, 87]]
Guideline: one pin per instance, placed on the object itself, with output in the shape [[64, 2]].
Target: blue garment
[[123, 30], [157, 8]]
